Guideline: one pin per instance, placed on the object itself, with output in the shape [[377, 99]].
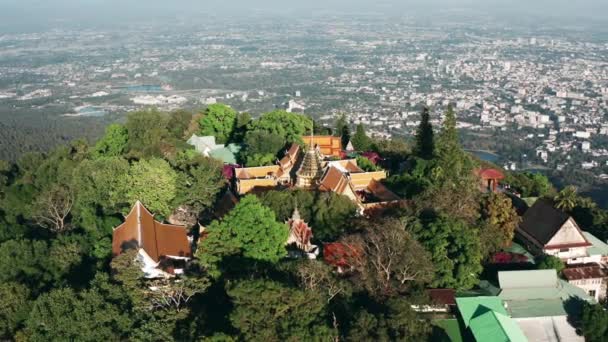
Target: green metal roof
[[488, 320], [224, 154], [471, 307], [536, 308], [537, 293], [599, 247], [496, 327]]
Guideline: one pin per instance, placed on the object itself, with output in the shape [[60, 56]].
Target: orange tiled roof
[[334, 180], [256, 172], [327, 144], [157, 239]]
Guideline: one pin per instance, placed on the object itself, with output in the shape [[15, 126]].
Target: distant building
[[295, 107], [489, 179], [547, 230]]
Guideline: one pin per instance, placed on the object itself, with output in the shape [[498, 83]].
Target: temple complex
[[317, 169]]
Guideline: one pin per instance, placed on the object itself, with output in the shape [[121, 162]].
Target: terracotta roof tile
[[157, 239]]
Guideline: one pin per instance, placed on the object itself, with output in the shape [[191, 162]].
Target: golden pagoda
[[311, 169]]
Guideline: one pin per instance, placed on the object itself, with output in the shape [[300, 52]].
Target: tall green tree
[[154, 183], [15, 308], [499, 221], [289, 126], [396, 322], [100, 186], [114, 143], [454, 164], [266, 310], [343, 130], [425, 141], [567, 199], [361, 142], [250, 231], [199, 182], [455, 251], [261, 148], [594, 322], [454, 188], [242, 122], [219, 120], [179, 121], [147, 133], [64, 314]]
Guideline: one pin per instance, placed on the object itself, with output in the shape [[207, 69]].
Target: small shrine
[[300, 235], [490, 179]]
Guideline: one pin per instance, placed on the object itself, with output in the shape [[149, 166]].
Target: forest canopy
[[59, 279]]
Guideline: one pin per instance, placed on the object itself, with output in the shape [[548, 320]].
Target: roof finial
[[296, 213], [312, 134]]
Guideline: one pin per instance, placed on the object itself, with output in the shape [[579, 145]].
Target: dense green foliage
[[549, 262], [342, 130], [59, 280], [361, 142], [328, 213], [425, 141], [594, 323], [250, 230], [218, 120]]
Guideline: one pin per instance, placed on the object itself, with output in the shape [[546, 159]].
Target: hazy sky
[[24, 13]]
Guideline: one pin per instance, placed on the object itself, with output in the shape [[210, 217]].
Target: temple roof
[[327, 144], [490, 174], [157, 239]]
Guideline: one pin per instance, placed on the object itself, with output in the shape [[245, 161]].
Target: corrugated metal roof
[[527, 279], [488, 320], [496, 327], [598, 247]]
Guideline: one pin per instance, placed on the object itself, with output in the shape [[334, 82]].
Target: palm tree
[[567, 199]]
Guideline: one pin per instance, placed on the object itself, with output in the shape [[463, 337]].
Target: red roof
[[587, 271], [442, 296], [508, 258], [491, 174]]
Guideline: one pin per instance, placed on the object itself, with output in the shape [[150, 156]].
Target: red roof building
[[300, 233], [489, 179], [156, 239]]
